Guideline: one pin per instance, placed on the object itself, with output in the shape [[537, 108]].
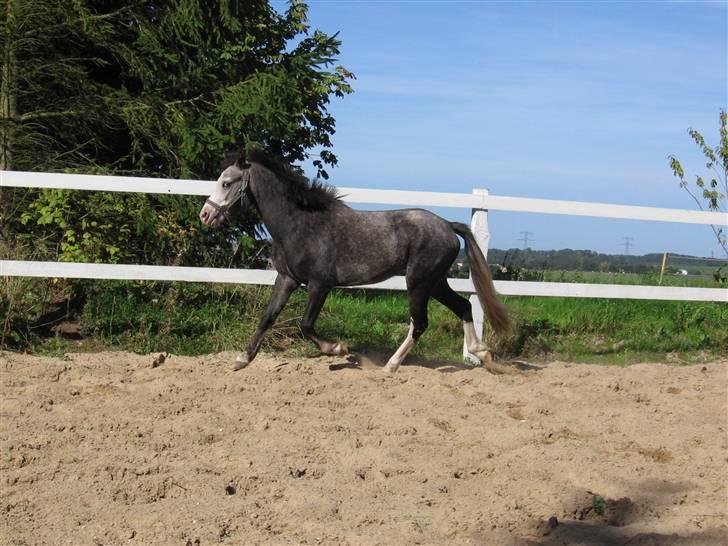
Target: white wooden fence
[[479, 201]]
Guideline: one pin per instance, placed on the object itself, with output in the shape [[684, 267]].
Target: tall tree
[[155, 88], [215, 74], [55, 106], [55, 109]]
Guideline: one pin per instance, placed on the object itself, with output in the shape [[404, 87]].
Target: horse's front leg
[[282, 290], [316, 297]]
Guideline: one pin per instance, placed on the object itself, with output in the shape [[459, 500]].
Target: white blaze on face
[[227, 191]]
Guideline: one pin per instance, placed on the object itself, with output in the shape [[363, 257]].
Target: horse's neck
[[277, 211]]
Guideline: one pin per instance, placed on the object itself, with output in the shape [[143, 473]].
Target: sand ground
[[108, 448]]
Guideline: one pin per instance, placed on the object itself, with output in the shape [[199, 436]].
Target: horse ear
[[231, 157], [240, 162]]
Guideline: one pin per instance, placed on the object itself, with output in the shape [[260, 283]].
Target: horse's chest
[[305, 260]]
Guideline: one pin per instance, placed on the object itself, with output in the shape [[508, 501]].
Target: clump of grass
[[26, 302], [26, 306], [599, 505]]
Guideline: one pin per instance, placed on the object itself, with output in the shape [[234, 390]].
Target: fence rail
[[480, 201], [15, 268]]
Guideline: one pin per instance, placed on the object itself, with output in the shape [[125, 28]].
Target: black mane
[[307, 194]]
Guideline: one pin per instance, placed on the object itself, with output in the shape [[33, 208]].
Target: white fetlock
[[241, 362], [484, 356], [398, 357], [475, 345]]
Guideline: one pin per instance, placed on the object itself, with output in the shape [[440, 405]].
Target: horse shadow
[[362, 358]]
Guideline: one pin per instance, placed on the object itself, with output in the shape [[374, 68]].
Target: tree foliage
[[154, 88], [712, 190], [216, 74], [55, 103]]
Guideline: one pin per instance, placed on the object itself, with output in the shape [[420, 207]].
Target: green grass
[[380, 320], [194, 319], [618, 330]]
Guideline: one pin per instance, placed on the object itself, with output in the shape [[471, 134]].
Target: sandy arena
[[114, 448]]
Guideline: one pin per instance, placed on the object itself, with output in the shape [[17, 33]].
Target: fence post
[[479, 227]]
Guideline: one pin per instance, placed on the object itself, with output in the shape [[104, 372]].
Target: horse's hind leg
[[282, 290], [418, 298], [443, 293], [396, 359], [316, 297]]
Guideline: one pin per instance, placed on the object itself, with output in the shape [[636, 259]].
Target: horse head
[[231, 187]]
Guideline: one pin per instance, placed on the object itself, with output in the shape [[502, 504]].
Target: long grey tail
[[495, 311]]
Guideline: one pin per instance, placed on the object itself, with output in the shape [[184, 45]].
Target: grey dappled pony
[[320, 242]]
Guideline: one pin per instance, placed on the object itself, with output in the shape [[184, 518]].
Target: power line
[[526, 238], [627, 243]]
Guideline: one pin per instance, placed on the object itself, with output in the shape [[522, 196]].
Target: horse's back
[[372, 246]]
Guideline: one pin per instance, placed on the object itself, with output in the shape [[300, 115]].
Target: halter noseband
[[223, 209]]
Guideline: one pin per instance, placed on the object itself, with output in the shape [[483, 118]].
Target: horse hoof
[[391, 367], [484, 356], [340, 349], [241, 362]]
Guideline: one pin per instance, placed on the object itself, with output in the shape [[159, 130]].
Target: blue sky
[[560, 100]]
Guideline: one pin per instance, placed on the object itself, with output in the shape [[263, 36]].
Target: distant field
[[569, 260], [650, 279]]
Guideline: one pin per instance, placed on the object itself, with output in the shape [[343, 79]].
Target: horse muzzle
[[211, 216]]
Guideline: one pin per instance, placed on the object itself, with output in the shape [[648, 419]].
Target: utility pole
[[526, 238], [627, 243]]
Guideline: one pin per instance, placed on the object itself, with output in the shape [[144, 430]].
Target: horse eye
[[226, 184]]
